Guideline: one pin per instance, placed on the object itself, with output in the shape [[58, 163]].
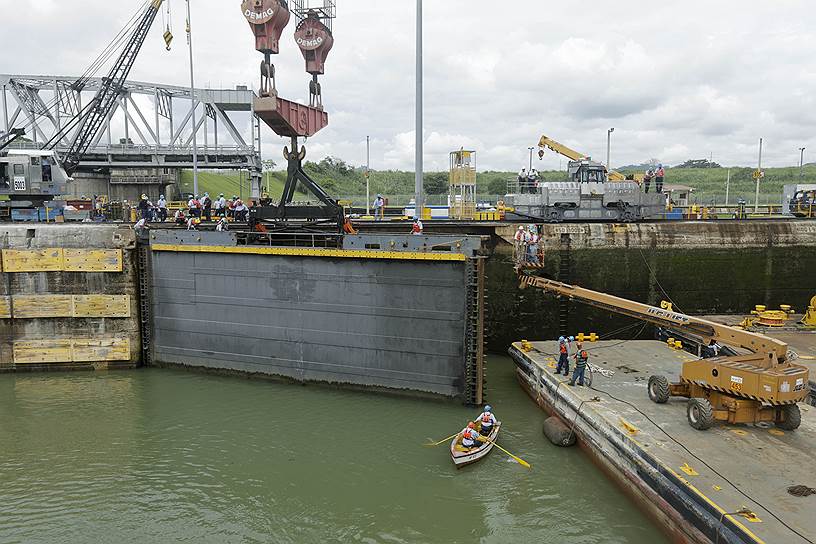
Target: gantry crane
[[548, 143], [761, 384]]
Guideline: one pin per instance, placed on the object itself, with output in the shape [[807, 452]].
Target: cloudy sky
[[677, 80]]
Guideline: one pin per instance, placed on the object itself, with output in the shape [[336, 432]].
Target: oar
[[431, 444], [519, 460]]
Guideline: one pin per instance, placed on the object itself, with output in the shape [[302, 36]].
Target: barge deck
[[727, 484]]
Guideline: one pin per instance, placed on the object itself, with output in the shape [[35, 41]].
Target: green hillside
[[347, 182]]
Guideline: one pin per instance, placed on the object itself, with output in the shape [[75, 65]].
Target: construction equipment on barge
[[762, 385]]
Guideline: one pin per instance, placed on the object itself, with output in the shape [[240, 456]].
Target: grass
[[343, 181]]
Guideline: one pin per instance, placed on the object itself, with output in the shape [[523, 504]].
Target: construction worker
[[379, 207], [522, 180], [659, 175], [194, 205], [145, 208], [416, 229], [647, 180], [519, 246], [221, 206], [581, 358], [222, 225], [161, 206], [470, 436], [563, 356], [532, 246], [179, 218], [487, 420], [206, 205]]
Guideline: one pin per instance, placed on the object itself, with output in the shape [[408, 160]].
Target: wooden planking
[[101, 306], [5, 307], [36, 306], [46, 306], [42, 351], [62, 260], [93, 260], [72, 350], [104, 349], [32, 260]]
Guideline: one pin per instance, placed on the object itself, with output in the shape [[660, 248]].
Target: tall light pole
[[758, 175], [609, 147], [801, 163], [531, 158], [192, 101], [419, 128], [368, 175]]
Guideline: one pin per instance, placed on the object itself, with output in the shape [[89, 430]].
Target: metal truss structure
[[149, 127]]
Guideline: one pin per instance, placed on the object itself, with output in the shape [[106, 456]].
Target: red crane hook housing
[[267, 18]]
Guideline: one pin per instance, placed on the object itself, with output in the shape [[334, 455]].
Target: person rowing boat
[[471, 437], [486, 421]]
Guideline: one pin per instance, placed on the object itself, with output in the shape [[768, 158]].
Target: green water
[[170, 456]]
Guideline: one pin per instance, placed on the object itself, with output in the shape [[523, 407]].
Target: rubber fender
[[558, 433]]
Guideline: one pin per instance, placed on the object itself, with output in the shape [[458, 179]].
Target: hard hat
[[561, 339], [206, 194], [161, 196], [144, 197], [488, 408], [221, 195], [572, 339], [471, 425], [521, 227]]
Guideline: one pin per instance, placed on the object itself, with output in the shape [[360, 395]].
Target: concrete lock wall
[[705, 267], [392, 323], [68, 297]]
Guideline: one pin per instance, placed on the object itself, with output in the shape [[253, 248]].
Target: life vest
[[563, 348], [486, 419], [415, 229]]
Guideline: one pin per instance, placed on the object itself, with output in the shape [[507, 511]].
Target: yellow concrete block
[[32, 260], [101, 306], [42, 351], [105, 349], [35, 306], [80, 350], [5, 307], [93, 260]]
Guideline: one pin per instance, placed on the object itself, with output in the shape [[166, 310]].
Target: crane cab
[[29, 175]]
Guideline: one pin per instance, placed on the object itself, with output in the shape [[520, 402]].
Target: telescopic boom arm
[[771, 352]]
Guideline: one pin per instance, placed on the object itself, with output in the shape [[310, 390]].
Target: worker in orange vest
[[471, 437], [417, 227], [486, 420]]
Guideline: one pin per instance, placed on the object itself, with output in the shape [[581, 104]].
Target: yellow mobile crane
[[548, 143], [761, 385]]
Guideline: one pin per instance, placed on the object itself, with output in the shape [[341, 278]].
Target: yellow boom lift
[[759, 385], [548, 143]]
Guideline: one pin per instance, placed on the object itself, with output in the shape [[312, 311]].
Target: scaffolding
[[462, 195]]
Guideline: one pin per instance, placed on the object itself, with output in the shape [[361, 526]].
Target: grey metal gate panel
[[385, 323]]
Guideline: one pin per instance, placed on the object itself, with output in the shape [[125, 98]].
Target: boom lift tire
[[792, 417], [659, 389], [700, 414]]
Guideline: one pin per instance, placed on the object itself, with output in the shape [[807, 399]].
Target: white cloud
[[677, 80]]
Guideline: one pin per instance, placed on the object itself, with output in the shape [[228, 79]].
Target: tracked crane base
[[693, 483]]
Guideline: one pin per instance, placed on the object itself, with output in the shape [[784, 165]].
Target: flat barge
[[729, 484]]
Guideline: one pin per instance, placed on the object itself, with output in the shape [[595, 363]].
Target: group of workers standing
[[528, 181], [526, 245], [568, 347], [476, 432], [654, 174]]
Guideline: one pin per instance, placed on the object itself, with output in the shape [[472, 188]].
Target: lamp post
[[531, 158], [192, 102], [609, 147], [758, 175], [368, 175], [419, 140], [801, 163]]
